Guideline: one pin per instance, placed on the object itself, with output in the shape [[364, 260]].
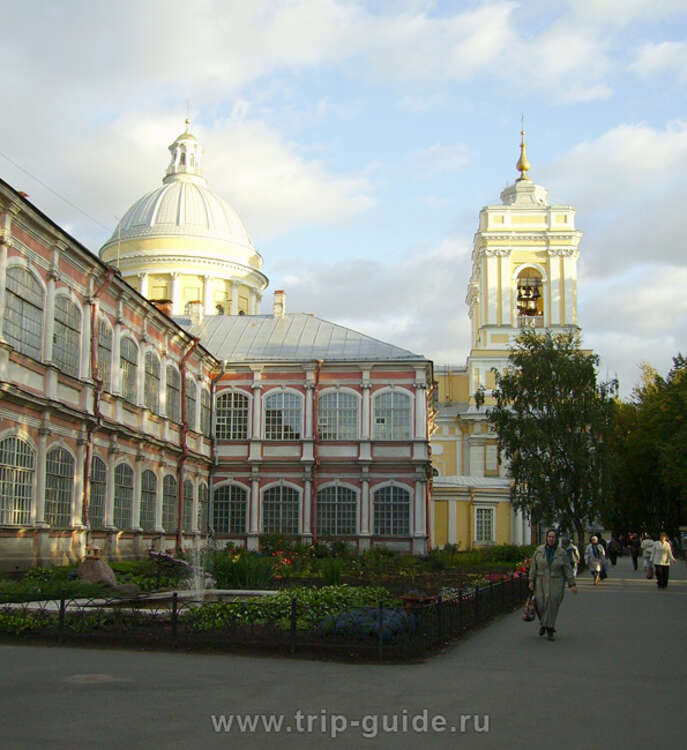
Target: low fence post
[[440, 624], [292, 636], [63, 609], [175, 617], [380, 631]]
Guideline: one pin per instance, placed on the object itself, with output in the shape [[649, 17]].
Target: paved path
[[615, 678]]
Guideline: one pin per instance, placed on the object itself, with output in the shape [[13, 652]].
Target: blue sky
[[358, 142]]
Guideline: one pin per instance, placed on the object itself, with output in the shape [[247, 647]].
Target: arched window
[[23, 326], [17, 461], [105, 354], [128, 366], [187, 516], [280, 511], [205, 412], [173, 394], [151, 395], [96, 504], [391, 508], [169, 504], [190, 397], [336, 511], [337, 416], [59, 482], [283, 416], [123, 496], [231, 416], [530, 300], [148, 500], [392, 416], [66, 352], [229, 509], [203, 517]]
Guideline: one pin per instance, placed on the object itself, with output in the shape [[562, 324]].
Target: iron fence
[[377, 633]]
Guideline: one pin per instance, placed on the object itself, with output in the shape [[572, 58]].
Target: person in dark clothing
[[635, 548], [613, 550]]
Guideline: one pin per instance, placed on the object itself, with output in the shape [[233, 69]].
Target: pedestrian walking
[[635, 545], [595, 557], [549, 571], [573, 556], [647, 547], [662, 557], [613, 550]]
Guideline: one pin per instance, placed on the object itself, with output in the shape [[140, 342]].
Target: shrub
[[331, 569], [244, 570], [22, 622]]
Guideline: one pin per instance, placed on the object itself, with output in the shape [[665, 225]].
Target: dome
[[185, 209]]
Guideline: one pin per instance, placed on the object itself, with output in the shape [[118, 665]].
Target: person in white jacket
[[662, 558], [647, 553]]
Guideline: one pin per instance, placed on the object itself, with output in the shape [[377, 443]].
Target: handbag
[[528, 610]]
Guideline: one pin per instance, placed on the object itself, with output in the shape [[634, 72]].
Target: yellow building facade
[[524, 275]]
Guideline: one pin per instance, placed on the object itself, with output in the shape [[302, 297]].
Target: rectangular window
[[484, 525]]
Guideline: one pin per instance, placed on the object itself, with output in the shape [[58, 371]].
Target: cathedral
[[147, 403]]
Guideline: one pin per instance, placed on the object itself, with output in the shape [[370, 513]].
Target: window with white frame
[[151, 383], [128, 367], [187, 507], [337, 511], [205, 412], [338, 416], [17, 461], [66, 352], [96, 503], [173, 394], [392, 415], [23, 324], [59, 483], [283, 416], [123, 496], [148, 500], [190, 397], [203, 516], [484, 525], [280, 506], [230, 509], [169, 504], [105, 354], [391, 510], [231, 416]]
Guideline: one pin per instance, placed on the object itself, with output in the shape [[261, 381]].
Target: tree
[[553, 422], [650, 452]]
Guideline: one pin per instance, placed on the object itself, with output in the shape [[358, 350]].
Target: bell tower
[[524, 272]]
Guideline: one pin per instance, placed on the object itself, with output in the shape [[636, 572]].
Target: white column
[[256, 432], [177, 306], [506, 304], [365, 507], [49, 318], [136, 504], [307, 507], [309, 389], [116, 370], [420, 411], [420, 510], [251, 302], [365, 434], [194, 507], [110, 489], [254, 504], [39, 509], [234, 298], [554, 290], [492, 288], [85, 369], [3, 281], [77, 505], [570, 276], [158, 500], [452, 508], [143, 284], [208, 304], [163, 386]]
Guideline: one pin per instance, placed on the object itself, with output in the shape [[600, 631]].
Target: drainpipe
[[316, 452], [184, 447], [213, 450], [90, 429]]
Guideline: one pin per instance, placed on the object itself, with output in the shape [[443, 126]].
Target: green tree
[[553, 422]]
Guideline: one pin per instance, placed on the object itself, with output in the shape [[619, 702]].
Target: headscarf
[[595, 546], [550, 549]]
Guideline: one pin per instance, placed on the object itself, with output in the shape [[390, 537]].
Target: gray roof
[[296, 336]]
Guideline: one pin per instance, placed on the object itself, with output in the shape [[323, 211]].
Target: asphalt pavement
[[616, 677]]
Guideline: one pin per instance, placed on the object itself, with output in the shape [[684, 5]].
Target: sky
[[359, 140]]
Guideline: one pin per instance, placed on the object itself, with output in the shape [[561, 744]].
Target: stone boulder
[[95, 570]]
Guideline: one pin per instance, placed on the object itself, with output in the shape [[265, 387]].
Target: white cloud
[[662, 57]]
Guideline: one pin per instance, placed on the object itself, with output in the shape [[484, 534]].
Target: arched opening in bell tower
[[530, 299]]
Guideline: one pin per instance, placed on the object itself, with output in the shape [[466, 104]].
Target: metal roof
[[296, 336]]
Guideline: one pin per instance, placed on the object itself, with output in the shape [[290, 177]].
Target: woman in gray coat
[[549, 570]]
